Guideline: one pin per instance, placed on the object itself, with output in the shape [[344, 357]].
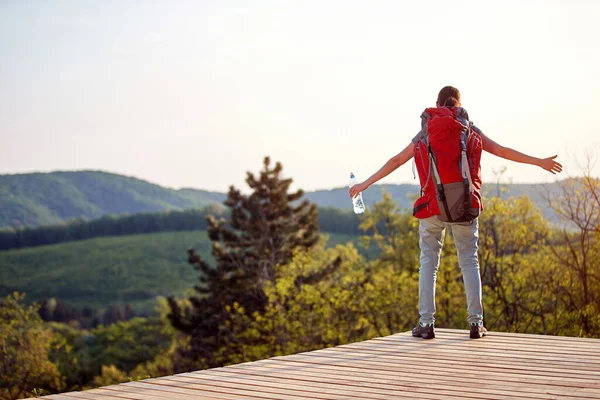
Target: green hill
[[29, 200], [99, 272], [49, 198]]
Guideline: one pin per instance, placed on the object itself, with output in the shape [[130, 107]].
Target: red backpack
[[447, 157]]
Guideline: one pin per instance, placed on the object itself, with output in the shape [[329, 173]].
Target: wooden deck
[[451, 366]]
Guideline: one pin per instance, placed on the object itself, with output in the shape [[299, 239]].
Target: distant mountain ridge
[[49, 198], [28, 200]]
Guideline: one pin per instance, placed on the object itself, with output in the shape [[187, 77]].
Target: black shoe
[[477, 330], [424, 331]]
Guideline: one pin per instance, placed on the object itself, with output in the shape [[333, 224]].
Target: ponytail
[[451, 102]]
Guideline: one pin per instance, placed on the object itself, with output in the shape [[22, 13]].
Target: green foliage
[[24, 347], [65, 354], [512, 239], [264, 230], [302, 315], [394, 233], [525, 286], [360, 299], [125, 344], [110, 375], [391, 286], [160, 365], [38, 392]]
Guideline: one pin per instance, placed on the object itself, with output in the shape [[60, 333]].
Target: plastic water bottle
[[357, 201]]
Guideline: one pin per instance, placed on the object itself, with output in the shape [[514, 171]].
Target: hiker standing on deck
[[447, 152]]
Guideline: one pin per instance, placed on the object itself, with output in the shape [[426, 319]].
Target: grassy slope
[[97, 272]]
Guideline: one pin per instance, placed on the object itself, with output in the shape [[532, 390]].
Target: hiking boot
[[424, 331], [477, 330]]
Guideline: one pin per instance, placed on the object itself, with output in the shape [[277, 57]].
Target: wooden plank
[[368, 379], [550, 338], [416, 344], [275, 387], [79, 395], [103, 393], [584, 348], [521, 364], [490, 346], [507, 341], [481, 349], [149, 394], [442, 371], [91, 394], [512, 355], [370, 362], [458, 358], [168, 390], [439, 347], [449, 374], [408, 387], [313, 392], [443, 366], [242, 390], [309, 384]]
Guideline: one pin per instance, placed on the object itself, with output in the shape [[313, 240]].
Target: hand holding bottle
[[358, 188], [357, 200]]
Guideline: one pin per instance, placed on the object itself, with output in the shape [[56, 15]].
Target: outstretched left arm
[[505, 152]]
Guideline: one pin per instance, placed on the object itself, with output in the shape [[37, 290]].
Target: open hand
[[356, 189], [550, 165]]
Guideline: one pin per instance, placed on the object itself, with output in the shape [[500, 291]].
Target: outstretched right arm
[[391, 165], [507, 153]]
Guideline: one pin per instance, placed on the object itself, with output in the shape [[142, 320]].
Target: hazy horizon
[[191, 94]]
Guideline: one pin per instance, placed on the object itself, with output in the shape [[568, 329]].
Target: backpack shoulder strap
[[462, 113], [424, 133], [425, 115]]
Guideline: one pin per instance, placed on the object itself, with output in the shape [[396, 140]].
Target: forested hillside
[[332, 220], [48, 198], [29, 200], [99, 272]]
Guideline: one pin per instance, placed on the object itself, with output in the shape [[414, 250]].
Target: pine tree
[[264, 230]]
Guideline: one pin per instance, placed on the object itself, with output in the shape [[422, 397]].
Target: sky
[[196, 93]]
